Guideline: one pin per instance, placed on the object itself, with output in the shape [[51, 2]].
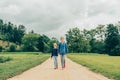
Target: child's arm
[[58, 52], [66, 46], [52, 54], [59, 49]]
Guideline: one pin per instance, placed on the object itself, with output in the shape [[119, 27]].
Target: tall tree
[[76, 41], [40, 44], [44, 43], [112, 40]]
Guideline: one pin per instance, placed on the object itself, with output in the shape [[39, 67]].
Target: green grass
[[4, 59], [104, 64], [21, 61]]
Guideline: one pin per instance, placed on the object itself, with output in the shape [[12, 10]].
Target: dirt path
[[45, 71]]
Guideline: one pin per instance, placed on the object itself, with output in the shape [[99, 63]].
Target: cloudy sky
[[55, 17]]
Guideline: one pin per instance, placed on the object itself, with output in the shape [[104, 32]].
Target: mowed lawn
[[21, 61], [104, 64]]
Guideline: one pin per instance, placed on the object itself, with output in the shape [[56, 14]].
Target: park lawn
[[21, 62], [107, 65]]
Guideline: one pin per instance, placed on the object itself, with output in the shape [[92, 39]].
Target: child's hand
[[51, 57], [58, 54]]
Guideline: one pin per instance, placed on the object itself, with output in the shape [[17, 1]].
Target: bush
[[4, 59], [28, 48], [115, 51], [1, 48], [6, 49], [12, 48], [46, 48], [30, 41]]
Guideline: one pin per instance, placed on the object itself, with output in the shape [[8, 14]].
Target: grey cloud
[[46, 16]]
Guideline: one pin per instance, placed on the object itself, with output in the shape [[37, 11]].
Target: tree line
[[104, 39], [19, 40]]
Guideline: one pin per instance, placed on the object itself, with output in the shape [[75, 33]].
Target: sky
[[55, 17]]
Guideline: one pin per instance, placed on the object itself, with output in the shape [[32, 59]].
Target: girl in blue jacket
[[63, 50]]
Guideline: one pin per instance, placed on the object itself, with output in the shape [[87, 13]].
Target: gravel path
[[45, 71]]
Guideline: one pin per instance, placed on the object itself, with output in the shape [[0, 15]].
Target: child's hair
[[61, 38], [55, 44]]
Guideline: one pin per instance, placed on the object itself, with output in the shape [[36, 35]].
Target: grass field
[[104, 64], [21, 61]]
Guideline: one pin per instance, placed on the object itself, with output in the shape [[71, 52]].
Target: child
[[55, 55], [63, 49]]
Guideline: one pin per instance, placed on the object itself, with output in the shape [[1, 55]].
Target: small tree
[[44, 43], [0, 48], [76, 41], [12, 48], [30, 42]]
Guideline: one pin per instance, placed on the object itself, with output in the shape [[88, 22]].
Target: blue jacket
[[63, 49]]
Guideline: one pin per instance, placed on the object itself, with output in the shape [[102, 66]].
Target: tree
[[1, 48], [12, 48], [30, 42], [10, 32], [1, 26], [96, 38], [76, 41], [97, 46], [100, 32], [17, 34], [112, 41], [45, 44], [21, 33], [40, 44]]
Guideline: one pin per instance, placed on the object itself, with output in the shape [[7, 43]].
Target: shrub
[[1, 48], [6, 49], [12, 48], [5, 59], [115, 51], [37, 53], [30, 41]]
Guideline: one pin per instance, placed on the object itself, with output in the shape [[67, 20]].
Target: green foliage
[[4, 59], [112, 40], [40, 44], [97, 46], [104, 64], [30, 41], [115, 51], [12, 48], [1, 48], [11, 32], [46, 48], [96, 38], [76, 41], [43, 42]]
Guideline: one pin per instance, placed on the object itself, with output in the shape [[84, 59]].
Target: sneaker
[[56, 67], [64, 65]]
